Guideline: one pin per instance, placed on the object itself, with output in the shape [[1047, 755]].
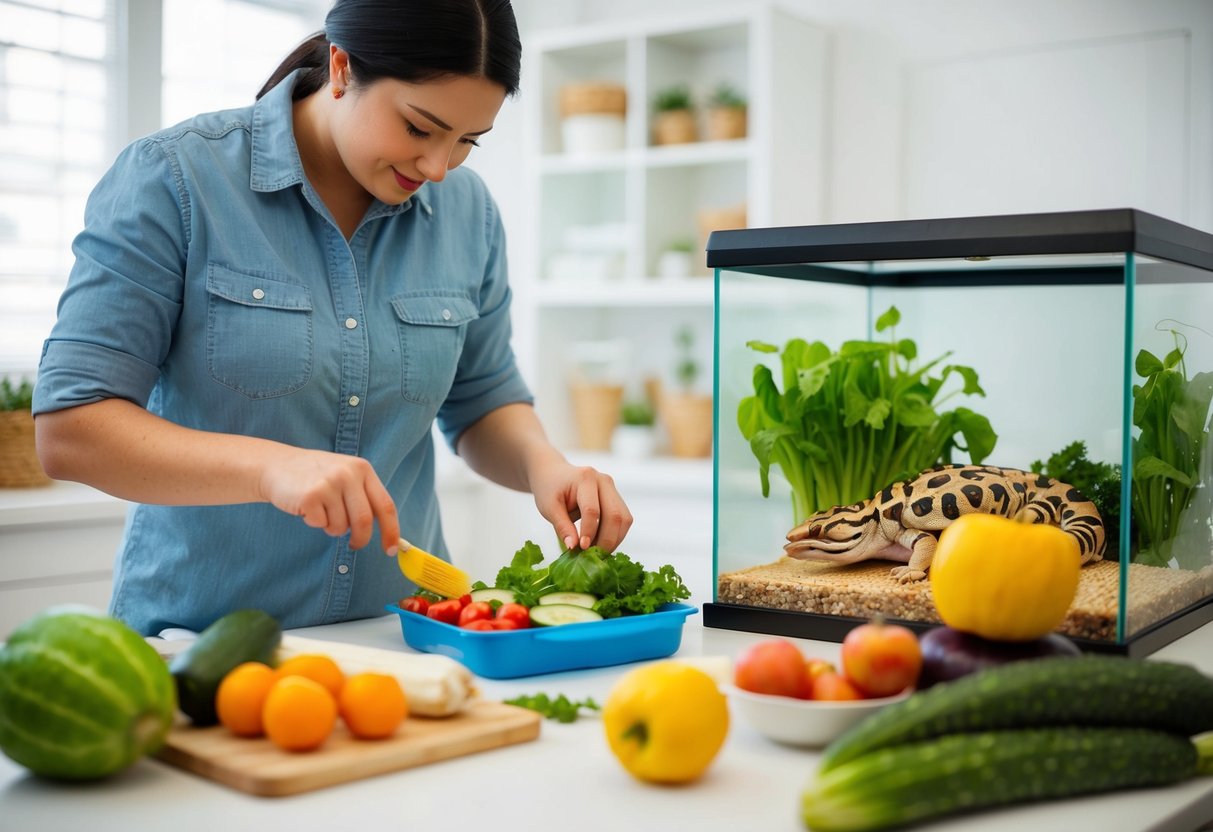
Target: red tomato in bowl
[[481, 624], [445, 611], [415, 603], [504, 624], [475, 611], [516, 613], [775, 667]]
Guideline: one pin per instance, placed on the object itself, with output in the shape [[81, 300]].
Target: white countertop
[[566, 781]]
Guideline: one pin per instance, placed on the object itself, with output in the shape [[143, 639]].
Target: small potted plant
[[726, 113], [687, 414], [19, 465], [677, 260], [592, 117], [634, 436], [674, 116]]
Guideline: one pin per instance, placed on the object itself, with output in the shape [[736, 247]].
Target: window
[[61, 90]]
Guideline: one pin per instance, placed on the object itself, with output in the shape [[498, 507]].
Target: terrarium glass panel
[[837, 379]]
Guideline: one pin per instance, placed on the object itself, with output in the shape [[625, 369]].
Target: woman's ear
[[339, 67]]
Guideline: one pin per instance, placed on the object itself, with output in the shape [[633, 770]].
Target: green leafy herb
[[1171, 412], [677, 97], [849, 423], [561, 709], [622, 585], [18, 396], [1098, 481]]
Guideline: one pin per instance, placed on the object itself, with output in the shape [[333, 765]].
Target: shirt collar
[[275, 160]]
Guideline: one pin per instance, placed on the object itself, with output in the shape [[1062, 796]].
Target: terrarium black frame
[[815, 254]]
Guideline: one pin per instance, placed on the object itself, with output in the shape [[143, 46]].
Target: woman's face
[[393, 136]]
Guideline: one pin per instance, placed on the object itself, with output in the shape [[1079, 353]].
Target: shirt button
[[343, 569], [446, 314], [354, 400], [350, 323], [258, 294]]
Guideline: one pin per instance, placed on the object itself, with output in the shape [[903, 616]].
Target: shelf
[[643, 292], [697, 153], [558, 163], [667, 475]]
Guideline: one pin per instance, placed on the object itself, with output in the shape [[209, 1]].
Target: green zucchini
[[1082, 690], [238, 637], [963, 772]]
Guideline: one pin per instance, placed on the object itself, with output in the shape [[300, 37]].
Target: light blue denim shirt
[[212, 286]]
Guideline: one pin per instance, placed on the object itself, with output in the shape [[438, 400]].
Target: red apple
[[774, 667], [881, 659]]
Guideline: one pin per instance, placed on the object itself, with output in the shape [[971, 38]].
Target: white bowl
[[804, 722]]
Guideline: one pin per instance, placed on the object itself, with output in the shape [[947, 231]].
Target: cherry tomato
[[464, 600], [482, 624], [504, 624], [516, 613], [445, 611], [415, 603], [476, 611]]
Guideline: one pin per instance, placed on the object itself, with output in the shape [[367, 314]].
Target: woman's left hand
[[565, 492]]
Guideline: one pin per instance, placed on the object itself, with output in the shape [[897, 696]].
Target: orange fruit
[[299, 714], [241, 696], [317, 667], [373, 705]]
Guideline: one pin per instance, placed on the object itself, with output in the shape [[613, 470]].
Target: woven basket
[[19, 466], [593, 97]]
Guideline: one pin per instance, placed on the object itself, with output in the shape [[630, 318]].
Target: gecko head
[[837, 535]]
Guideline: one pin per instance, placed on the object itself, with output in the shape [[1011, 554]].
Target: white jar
[[590, 133]]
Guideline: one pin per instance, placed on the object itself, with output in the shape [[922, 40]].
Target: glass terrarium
[[1071, 347]]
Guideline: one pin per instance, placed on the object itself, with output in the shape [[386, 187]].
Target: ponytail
[[312, 56]]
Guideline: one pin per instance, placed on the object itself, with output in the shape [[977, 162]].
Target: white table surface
[[566, 781]]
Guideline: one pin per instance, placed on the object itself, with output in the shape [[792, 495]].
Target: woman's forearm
[[118, 447], [506, 444]]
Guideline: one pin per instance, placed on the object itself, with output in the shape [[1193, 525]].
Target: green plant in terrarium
[[637, 413], [18, 396], [677, 97], [726, 97], [1171, 412], [686, 370]]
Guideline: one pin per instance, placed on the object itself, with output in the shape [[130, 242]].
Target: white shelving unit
[[650, 195]]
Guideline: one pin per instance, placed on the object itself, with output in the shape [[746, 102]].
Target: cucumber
[[238, 637], [505, 596], [550, 615], [577, 599], [1080, 690], [963, 772]]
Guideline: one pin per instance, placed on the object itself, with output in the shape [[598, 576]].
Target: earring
[[338, 92]]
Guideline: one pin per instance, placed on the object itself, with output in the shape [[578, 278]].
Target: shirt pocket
[[433, 328], [258, 333]]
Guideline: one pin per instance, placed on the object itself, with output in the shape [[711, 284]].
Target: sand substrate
[[861, 590]]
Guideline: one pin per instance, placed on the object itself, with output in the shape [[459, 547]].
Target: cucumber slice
[[550, 615], [505, 596], [577, 599]]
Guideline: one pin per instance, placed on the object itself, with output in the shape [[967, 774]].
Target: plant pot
[[726, 123], [595, 412], [675, 127], [633, 441], [688, 422], [19, 465], [674, 264]]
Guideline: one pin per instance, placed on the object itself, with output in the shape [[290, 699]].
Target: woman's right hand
[[335, 492]]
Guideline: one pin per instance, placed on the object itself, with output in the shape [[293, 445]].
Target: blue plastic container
[[507, 654]]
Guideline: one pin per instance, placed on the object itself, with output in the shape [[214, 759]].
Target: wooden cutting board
[[259, 767]]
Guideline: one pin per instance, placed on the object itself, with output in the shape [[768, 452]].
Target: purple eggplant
[[949, 654]]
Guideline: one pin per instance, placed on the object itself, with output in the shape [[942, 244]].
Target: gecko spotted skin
[[903, 522]]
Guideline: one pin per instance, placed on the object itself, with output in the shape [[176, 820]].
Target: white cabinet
[[600, 221]]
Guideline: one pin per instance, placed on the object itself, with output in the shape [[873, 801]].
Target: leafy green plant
[[677, 97], [18, 396], [1098, 481], [638, 413], [684, 244], [1171, 411], [725, 96], [561, 709], [687, 368], [849, 423]]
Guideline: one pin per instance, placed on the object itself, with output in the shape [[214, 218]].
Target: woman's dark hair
[[410, 40]]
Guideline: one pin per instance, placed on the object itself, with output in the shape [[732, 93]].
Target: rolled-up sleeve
[[123, 297], [487, 376]]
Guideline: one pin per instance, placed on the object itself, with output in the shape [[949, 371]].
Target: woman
[[270, 307]]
